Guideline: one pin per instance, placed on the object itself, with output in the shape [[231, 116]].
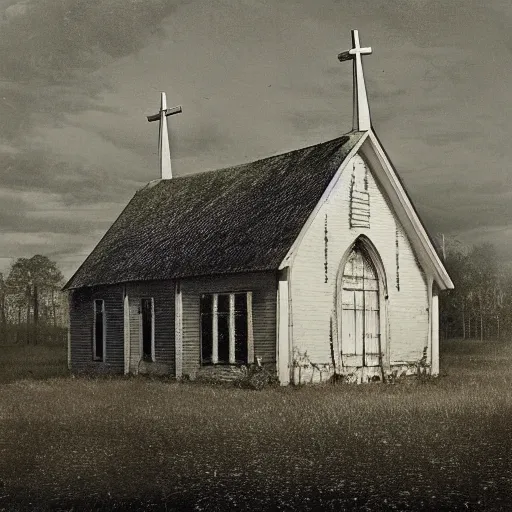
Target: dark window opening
[[99, 329], [147, 329], [241, 328], [223, 303], [223, 328], [206, 307], [222, 317]]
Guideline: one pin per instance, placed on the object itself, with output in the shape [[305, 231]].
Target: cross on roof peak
[[164, 151], [361, 113]]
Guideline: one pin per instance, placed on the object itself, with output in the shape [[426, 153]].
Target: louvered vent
[[359, 207]]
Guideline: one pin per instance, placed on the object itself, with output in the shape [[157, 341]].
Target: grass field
[[82, 444]]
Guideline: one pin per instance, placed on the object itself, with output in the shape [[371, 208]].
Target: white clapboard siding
[[317, 261]]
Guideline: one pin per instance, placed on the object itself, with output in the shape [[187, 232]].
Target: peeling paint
[[397, 261], [326, 240], [331, 344], [359, 215], [307, 371]]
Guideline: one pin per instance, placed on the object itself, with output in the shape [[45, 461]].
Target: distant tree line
[[480, 306], [32, 307]]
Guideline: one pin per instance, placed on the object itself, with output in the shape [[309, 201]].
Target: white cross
[[163, 136], [361, 112]]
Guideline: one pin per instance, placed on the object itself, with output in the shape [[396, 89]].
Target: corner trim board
[[232, 328], [215, 329], [126, 340], [435, 335], [178, 330], [250, 333], [283, 329]]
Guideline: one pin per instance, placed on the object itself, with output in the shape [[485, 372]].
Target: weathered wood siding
[[134, 322], [317, 262], [264, 288], [162, 293], [81, 318]]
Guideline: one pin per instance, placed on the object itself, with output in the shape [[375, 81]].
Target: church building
[[312, 263]]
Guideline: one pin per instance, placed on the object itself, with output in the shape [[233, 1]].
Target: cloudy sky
[[255, 78]]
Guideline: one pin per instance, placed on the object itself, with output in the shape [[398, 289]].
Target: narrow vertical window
[[99, 330], [147, 321], [206, 307], [223, 328], [241, 327]]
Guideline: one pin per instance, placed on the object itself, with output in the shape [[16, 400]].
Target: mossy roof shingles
[[239, 219]]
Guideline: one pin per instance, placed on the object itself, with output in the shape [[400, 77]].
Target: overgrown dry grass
[[20, 361], [139, 443]]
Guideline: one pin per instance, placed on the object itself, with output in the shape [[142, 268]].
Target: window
[[240, 327], [226, 328], [206, 306], [223, 328], [147, 319], [98, 344]]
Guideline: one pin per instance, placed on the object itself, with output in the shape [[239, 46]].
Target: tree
[[478, 306], [17, 286], [32, 283], [46, 279]]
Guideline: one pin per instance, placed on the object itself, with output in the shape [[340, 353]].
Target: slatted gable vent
[[359, 196]]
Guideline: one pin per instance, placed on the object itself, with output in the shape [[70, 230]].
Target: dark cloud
[[50, 52], [19, 221], [447, 138], [460, 207], [313, 119], [41, 170], [77, 78], [198, 140], [61, 41]]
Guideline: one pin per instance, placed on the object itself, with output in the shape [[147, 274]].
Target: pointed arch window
[[360, 311]]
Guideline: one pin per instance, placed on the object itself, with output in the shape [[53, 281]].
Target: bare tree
[[480, 303]]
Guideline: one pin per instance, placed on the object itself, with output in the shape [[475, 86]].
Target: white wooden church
[[312, 263]]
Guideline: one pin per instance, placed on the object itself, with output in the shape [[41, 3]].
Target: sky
[[254, 78]]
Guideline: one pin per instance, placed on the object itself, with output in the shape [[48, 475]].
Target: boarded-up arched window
[[360, 324]]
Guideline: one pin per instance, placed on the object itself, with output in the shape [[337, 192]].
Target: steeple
[[361, 111], [164, 153]]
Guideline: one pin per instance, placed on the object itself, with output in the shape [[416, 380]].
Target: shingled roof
[[239, 219]]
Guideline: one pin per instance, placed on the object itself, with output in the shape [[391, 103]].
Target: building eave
[[400, 200], [288, 259]]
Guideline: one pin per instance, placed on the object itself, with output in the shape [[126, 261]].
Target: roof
[[407, 214], [239, 219]]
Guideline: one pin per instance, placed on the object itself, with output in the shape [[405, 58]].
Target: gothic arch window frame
[[368, 249]]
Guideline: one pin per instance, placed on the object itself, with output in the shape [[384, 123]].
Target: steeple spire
[[361, 113], [164, 152]]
